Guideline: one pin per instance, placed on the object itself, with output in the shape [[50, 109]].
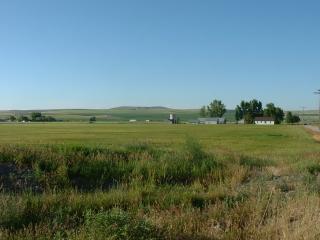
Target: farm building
[[173, 118], [264, 121], [211, 120]]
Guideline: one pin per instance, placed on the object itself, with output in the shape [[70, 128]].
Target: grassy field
[[158, 181], [141, 114], [309, 116], [240, 138]]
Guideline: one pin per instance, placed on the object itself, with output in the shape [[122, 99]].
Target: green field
[[238, 138], [141, 114], [121, 114], [310, 116], [158, 181]]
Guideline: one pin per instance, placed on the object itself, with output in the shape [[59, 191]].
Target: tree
[[239, 113], [12, 118], [296, 119], [50, 119], [249, 118], [92, 119], [248, 111], [216, 108], [36, 116], [272, 111], [23, 119], [290, 118], [255, 108], [203, 111]]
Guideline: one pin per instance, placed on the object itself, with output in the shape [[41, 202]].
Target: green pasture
[[122, 114], [141, 114], [248, 139]]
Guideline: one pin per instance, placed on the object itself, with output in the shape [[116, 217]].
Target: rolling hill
[[119, 114], [125, 113]]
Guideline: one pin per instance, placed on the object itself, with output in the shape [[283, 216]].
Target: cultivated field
[[158, 181], [120, 114]]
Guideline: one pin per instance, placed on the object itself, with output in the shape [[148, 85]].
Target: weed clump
[[119, 225], [255, 162], [314, 169]]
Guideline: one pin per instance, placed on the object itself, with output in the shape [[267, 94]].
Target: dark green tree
[[248, 111], [272, 111], [203, 111], [296, 119], [249, 118], [50, 119], [36, 116], [92, 119], [255, 108], [23, 119], [239, 113], [12, 118], [216, 109], [290, 118]]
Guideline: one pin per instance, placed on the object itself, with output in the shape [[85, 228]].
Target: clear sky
[[175, 53]]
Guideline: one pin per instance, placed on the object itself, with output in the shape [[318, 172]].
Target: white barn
[[264, 121]]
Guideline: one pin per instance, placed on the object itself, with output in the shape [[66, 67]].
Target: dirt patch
[[14, 179], [316, 137], [315, 131]]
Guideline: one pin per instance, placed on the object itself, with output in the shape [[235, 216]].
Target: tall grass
[[143, 192]]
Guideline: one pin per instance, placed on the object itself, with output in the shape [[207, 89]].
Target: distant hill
[[138, 108], [126, 113], [118, 114]]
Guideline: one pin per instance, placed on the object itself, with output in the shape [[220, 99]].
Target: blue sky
[[175, 53]]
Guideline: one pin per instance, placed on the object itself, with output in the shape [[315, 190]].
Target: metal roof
[[264, 119], [210, 119]]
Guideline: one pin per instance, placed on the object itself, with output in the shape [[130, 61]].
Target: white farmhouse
[[264, 121]]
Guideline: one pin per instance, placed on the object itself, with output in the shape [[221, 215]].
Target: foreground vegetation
[[224, 182]]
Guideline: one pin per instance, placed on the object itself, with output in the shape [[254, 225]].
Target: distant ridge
[[86, 109], [139, 108]]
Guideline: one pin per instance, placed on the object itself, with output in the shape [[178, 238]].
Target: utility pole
[[303, 108], [318, 93]]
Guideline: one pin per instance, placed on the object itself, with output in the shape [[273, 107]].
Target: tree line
[[34, 117], [215, 109], [248, 111]]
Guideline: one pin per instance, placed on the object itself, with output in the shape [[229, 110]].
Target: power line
[[303, 108], [318, 93]]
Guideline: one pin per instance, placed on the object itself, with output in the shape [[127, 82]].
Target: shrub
[[254, 162], [194, 149], [181, 169], [198, 202], [92, 119], [314, 169], [118, 225]]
